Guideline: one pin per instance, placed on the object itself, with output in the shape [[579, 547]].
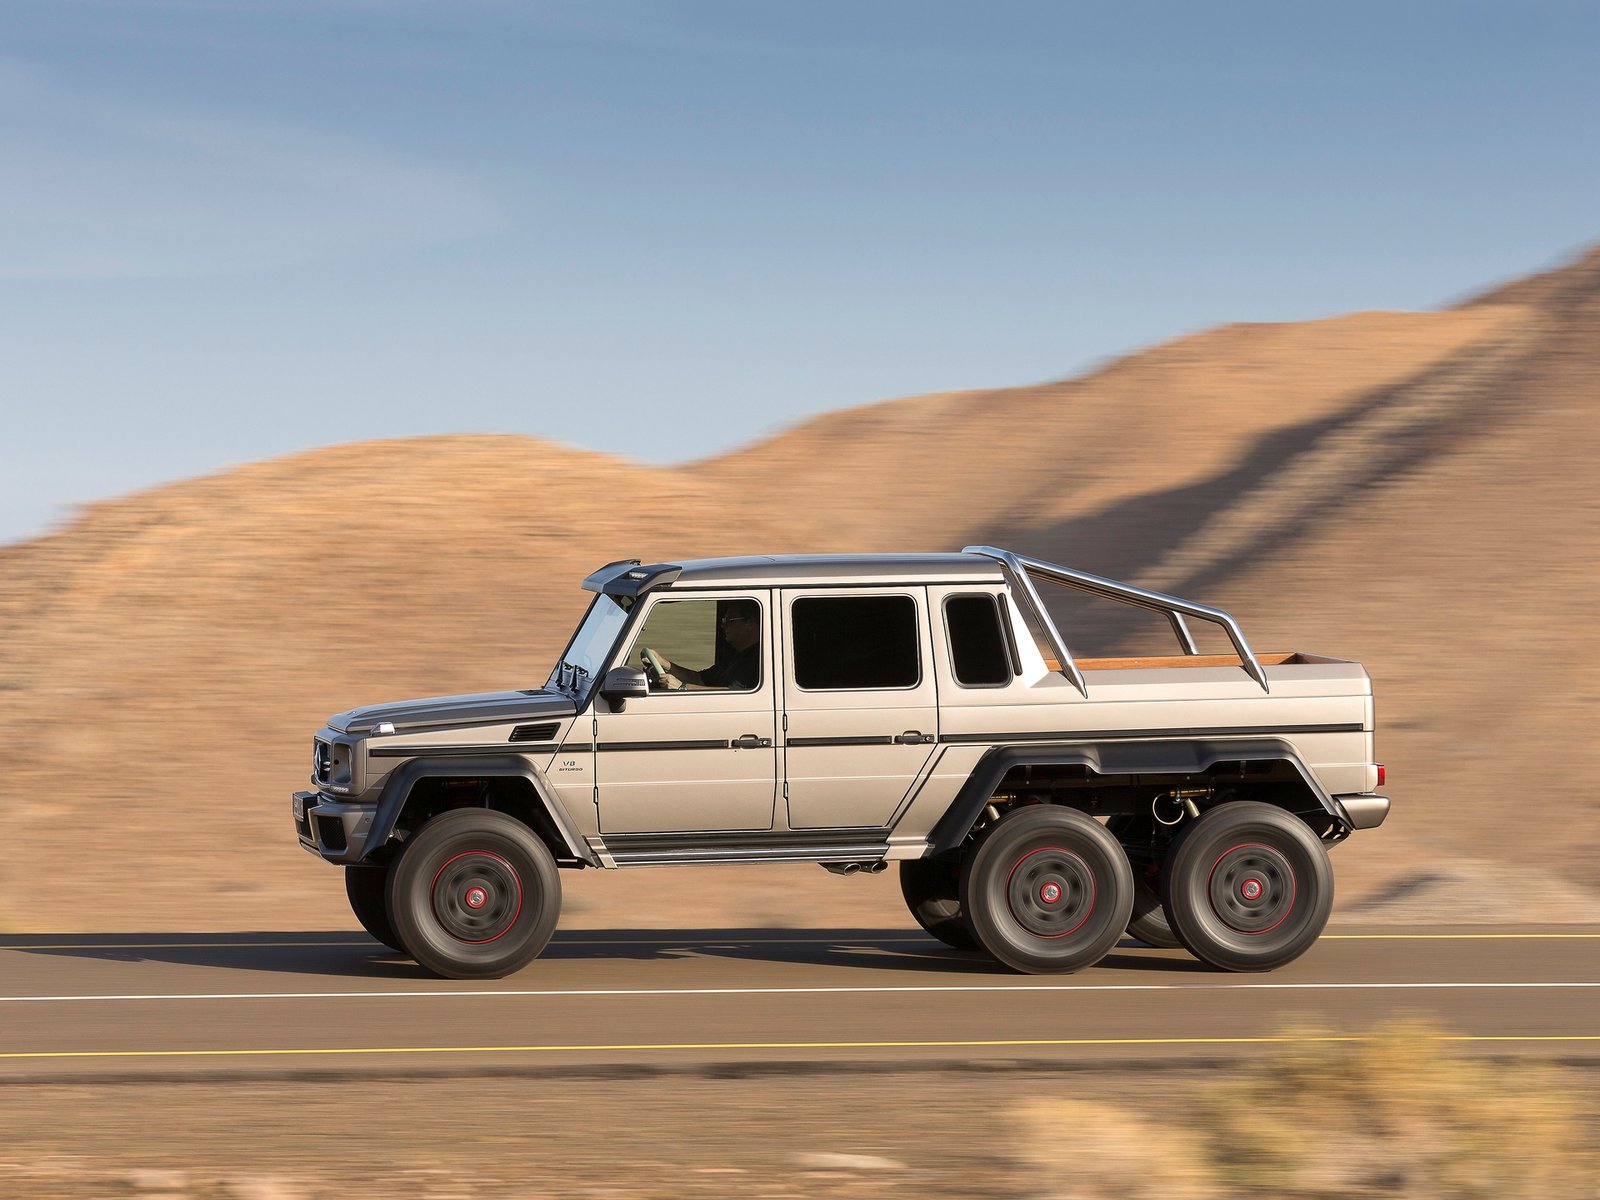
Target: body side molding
[[475, 750]]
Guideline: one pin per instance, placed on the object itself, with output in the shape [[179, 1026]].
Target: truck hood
[[480, 708]]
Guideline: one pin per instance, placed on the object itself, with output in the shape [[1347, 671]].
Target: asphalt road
[[113, 1006]]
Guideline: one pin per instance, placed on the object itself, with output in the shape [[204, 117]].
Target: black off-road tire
[[367, 887], [1148, 924], [1249, 887], [932, 890], [1047, 889], [475, 894]]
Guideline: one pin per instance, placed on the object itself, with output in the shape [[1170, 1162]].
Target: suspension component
[[1180, 802]]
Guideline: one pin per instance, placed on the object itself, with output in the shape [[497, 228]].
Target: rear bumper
[[1364, 810], [333, 830]]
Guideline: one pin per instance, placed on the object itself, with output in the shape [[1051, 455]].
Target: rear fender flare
[[403, 780], [1190, 757]]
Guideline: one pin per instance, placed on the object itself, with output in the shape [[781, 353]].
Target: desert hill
[[1031, 457], [1409, 489]]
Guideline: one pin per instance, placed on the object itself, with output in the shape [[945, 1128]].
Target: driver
[[738, 665]]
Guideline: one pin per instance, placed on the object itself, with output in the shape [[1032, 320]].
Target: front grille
[[331, 765], [535, 733]]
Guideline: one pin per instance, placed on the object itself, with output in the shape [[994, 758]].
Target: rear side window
[[979, 654], [854, 642]]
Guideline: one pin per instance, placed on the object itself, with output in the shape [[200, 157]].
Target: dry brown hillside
[[1410, 489]]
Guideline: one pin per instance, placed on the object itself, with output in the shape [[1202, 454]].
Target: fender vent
[[535, 733]]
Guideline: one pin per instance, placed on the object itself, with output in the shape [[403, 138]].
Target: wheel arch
[[413, 783], [1174, 758]]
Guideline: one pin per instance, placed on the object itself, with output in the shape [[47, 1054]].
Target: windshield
[[593, 641]]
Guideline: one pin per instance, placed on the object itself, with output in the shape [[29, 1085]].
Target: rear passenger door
[[861, 706]]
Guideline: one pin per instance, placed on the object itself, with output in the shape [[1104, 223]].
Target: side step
[[836, 853]]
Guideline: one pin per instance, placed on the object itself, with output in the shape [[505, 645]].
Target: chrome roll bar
[[1024, 568]]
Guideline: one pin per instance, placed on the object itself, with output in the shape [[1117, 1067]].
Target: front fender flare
[[398, 787], [1188, 757]]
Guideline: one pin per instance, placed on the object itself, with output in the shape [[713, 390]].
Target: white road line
[[632, 993], [365, 943]]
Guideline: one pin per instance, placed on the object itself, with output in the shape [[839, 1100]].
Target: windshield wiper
[[568, 676]]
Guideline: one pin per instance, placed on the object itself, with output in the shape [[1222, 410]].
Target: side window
[[854, 642], [979, 653], [700, 644]]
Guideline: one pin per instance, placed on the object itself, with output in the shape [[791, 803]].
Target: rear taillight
[[1382, 774]]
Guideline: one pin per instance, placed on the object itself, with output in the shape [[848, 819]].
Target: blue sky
[[237, 228]]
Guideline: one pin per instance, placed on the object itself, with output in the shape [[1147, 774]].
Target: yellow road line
[[190, 945], [743, 941], [641, 1047], [558, 942]]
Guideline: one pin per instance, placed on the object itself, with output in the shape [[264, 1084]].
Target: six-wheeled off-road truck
[[855, 711]]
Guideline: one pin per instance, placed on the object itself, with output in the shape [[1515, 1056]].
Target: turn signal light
[[1382, 774]]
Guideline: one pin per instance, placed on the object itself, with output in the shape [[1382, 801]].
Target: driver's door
[[702, 758]]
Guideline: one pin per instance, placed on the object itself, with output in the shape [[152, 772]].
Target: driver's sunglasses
[[731, 620]]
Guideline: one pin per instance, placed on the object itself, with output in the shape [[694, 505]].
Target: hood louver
[[542, 732]]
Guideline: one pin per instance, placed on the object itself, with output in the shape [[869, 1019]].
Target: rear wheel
[[474, 895], [932, 890], [367, 887], [1047, 889], [1249, 887], [1148, 923]]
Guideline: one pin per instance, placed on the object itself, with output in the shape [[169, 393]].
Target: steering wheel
[[655, 670]]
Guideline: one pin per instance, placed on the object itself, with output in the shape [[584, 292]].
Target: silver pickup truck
[[855, 711]]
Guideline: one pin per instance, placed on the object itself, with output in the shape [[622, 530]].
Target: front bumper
[[333, 830]]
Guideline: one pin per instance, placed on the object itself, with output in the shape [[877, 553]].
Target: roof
[[776, 570]]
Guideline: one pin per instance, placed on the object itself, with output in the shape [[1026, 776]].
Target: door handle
[[750, 741], [912, 737]]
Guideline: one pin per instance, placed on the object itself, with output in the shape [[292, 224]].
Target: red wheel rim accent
[[1288, 869], [1087, 874], [511, 875]]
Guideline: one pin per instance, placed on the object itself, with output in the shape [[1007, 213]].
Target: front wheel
[[1249, 887], [932, 891], [1047, 890], [474, 895]]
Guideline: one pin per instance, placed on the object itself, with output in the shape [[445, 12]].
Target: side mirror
[[621, 684]]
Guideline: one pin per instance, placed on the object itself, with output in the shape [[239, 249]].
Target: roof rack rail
[[1024, 568]]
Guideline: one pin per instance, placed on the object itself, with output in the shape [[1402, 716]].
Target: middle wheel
[[1047, 889], [1148, 923], [932, 891]]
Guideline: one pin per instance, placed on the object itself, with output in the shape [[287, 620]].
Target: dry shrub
[[1399, 1114], [1396, 1114], [1092, 1151]]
